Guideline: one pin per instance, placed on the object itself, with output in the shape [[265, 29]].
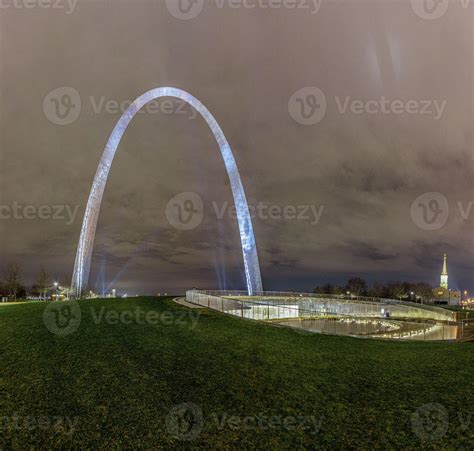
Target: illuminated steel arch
[[82, 264]]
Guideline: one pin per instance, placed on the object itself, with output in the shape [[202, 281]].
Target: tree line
[[13, 287], [357, 286]]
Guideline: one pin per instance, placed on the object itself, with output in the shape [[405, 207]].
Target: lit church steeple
[[444, 274]]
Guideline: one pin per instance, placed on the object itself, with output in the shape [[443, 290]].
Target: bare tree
[[357, 286], [13, 280], [397, 289], [43, 283]]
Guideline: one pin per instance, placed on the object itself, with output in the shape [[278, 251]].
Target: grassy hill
[[146, 372]]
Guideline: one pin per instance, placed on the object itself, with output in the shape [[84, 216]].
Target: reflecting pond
[[374, 328]]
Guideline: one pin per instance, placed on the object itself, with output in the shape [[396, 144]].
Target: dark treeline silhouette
[[357, 286], [12, 285]]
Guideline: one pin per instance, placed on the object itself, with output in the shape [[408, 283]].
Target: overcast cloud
[[349, 182]]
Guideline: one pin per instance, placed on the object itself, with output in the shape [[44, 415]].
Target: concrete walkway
[[183, 302]]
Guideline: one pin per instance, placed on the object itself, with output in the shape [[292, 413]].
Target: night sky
[[361, 168]]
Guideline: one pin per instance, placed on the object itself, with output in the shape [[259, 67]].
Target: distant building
[[444, 274], [442, 294]]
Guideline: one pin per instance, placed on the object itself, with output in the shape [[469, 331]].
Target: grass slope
[[119, 382]]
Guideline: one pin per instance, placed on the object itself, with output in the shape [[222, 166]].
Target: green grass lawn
[[222, 382]]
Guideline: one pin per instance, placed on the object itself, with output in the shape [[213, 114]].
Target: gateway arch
[[82, 263]]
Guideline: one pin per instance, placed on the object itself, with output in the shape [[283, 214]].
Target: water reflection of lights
[[336, 317]]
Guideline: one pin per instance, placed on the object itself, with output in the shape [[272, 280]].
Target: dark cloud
[[369, 252]]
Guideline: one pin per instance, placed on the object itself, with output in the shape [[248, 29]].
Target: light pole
[[56, 289]]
